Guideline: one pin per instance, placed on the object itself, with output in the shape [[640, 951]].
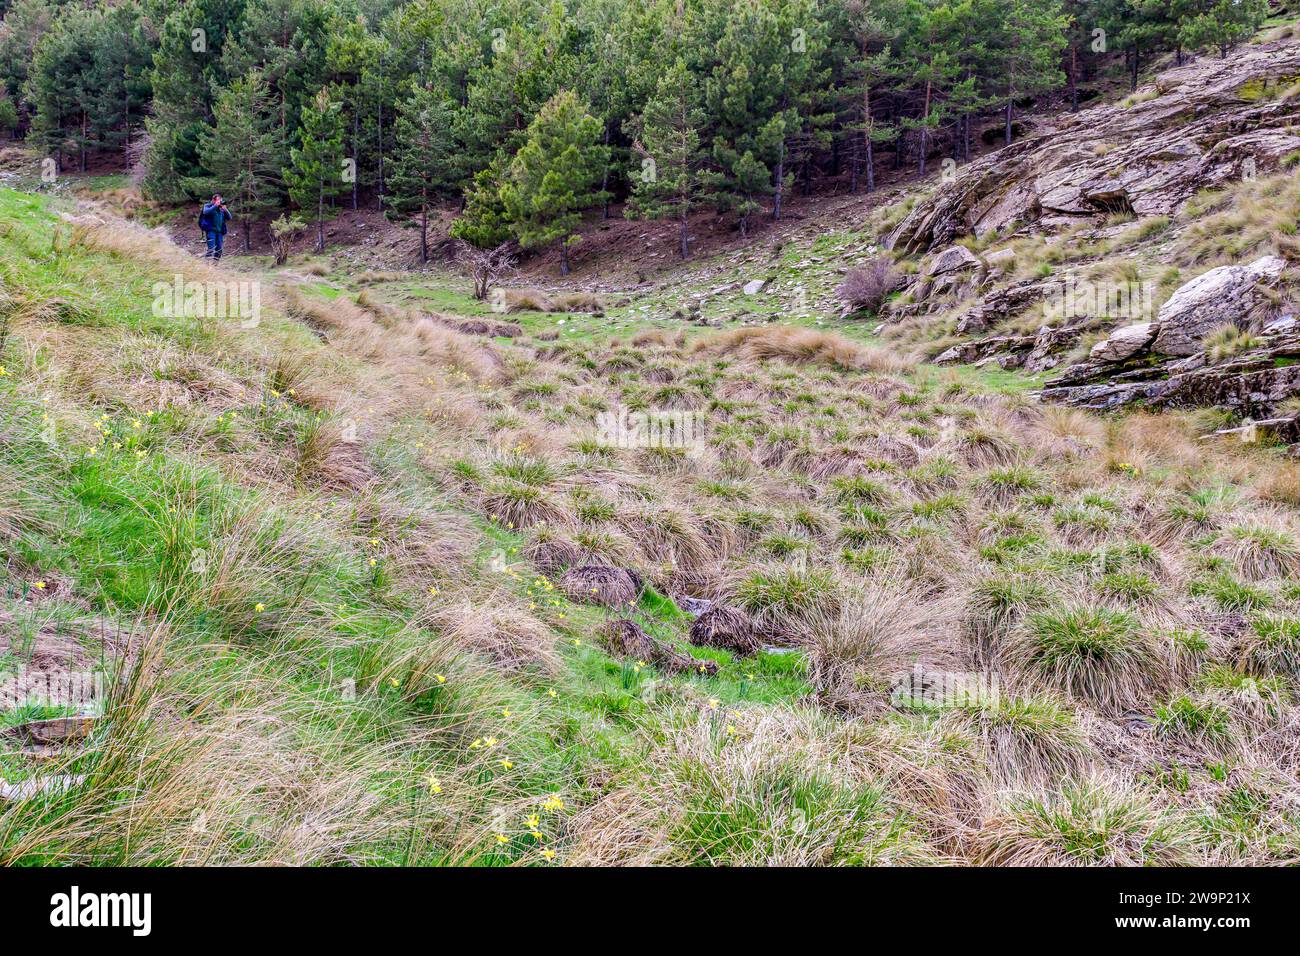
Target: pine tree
[[244, 152], [1033, 33], [669, 182], [315, 173], [421, 163], [869, 69], [484, 223], [1222, 24], [555, 175]]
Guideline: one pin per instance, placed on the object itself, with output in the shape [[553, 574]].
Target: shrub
[[865, 288]]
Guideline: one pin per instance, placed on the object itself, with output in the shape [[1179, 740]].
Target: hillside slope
[[371, 589]]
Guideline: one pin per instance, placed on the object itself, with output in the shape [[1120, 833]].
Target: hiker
[[212, 220]]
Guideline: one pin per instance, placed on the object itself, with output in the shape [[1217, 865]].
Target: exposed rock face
[[1124, 343], [1253, 383], [1205, 125], [1007, 301], [1034, 353], [1228, 294]]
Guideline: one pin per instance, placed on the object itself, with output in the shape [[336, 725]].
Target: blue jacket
[[214, 218]]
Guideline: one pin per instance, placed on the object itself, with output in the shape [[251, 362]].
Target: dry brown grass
[[800, 346]]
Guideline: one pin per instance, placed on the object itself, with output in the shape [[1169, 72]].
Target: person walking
[[212, 220]]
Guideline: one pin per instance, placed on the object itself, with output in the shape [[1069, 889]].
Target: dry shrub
[[876, 635], [491, 328], [799, 345], [1029, 741], [577, 302], [1102, 656], [725, 627], [330, 457], [659, 337], [1262, 548], [1280, 485], [179, 775], [865, 288], [526, 300], [787, 789]]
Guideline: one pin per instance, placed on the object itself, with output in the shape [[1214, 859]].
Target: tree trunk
[[925, 116], [1074, 78], [424, 227], [379, 201], [564, 258], [683, 233], [1009, 106], [1133, 84], [604, 179], [871, 164], [320, 219], [356, 152], [780, 183], [853, 166]]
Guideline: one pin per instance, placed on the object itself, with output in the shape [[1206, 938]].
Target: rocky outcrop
[[1226, 295], [1033, 353], [953, 259], [1198, 126], [1252, 384]]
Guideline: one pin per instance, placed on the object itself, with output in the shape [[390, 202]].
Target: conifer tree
[[244, 152], [669, 183], [421, 162], [315, 172], [555, 175]]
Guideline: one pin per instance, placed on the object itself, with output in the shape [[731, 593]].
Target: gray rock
[[953, 259], [1147, 157], [754, 287], [1228, 294], [1124, 343]]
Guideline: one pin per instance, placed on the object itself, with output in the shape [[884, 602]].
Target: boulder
[[1228, 294], [953, 259], [754, 286], [1124, 343]]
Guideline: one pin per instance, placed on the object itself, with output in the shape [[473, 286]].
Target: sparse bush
[[865, 288]]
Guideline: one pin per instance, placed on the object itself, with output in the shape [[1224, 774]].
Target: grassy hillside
[[323, 559]]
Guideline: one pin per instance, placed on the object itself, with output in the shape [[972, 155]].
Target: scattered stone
[[26, 789], [56, 730], [754, 287]]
